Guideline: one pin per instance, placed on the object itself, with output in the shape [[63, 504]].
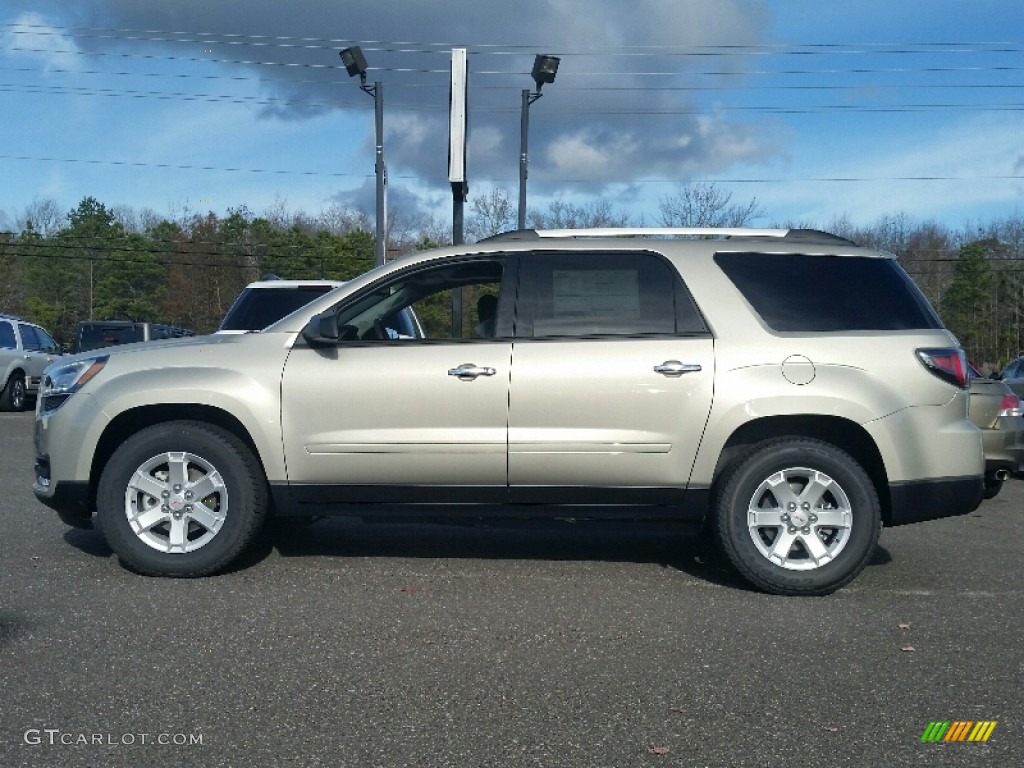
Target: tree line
[[100, 262]]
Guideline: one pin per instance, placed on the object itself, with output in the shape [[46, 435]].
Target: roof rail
[[662, 232], [799, 235]]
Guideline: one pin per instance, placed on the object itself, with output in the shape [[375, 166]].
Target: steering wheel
[[379, 330]]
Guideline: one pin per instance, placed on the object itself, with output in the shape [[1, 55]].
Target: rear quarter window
[[800, 293]]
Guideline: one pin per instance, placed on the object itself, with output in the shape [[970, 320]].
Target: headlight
[[62, 380]]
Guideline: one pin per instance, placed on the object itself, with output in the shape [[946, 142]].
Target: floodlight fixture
[[545, 68], [354, 61]]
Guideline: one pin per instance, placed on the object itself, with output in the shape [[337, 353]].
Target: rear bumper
[[1004, 445], [914, 502]]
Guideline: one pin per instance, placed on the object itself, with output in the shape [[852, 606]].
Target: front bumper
[[69, 500]]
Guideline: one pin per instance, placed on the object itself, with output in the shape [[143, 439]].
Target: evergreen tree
[[965, 304]]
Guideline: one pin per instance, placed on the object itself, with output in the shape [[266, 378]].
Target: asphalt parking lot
[[347, 644]]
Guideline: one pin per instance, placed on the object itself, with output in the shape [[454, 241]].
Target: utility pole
[[355, 64], [545, 68], [457, 136]]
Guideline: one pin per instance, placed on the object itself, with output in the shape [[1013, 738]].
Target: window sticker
[[595, 293]]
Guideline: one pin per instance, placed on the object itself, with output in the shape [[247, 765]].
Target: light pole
[[544, 70], [355, 64]]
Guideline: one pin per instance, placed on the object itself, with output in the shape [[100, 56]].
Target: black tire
[[210, 531], [14, 396], [775, 478], [993, 485]]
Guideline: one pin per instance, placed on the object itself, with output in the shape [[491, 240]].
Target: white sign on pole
[[457, 119]]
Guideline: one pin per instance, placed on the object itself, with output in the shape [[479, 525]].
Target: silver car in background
[[996, 409]]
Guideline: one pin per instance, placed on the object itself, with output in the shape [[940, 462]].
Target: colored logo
[[958, 730]]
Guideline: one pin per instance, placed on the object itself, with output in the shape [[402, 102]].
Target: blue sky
[[818, 110]]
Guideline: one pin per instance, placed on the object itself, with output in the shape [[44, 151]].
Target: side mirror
[[322, 328]]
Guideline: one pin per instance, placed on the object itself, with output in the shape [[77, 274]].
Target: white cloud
[[30, 36], [603, 43]]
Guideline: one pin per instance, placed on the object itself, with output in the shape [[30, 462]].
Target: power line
[[113, 253], [148, 262], [150, 56], [444, 71], [489, 87], [67, 90], [763, 180], [473, 86], [441, 47], [184, 167]]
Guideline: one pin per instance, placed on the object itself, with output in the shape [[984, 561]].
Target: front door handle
[[675, 368], [469, 371]]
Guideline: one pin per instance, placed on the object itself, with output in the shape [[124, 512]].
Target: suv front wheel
[[12, 398], [181, 499], [798, 516]]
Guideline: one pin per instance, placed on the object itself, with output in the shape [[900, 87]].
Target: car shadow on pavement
[[654, 543], [89, 541], [659, 544]]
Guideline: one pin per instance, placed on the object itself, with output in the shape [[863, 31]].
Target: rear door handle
[[469, 371], [676, 368]]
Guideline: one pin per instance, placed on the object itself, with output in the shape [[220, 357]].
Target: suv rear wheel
[[798, 517], [181, 499]]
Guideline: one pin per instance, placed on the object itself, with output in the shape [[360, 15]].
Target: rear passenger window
[[602, 294], [7, 340], [800, 293]]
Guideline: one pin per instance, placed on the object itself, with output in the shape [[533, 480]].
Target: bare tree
[[45, 215], [492, 212], [705, 205], [135, 221], [563, 215], [405, 231], [278, 213], [341, 220]]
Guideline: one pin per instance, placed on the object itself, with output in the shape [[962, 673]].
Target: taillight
[[948, 364], [1010, 406]]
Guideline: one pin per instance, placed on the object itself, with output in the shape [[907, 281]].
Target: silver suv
[[784, 390], [25, 351]]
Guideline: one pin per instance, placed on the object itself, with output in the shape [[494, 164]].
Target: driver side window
[[422, 304]]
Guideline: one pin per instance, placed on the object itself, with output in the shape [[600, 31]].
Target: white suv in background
[[268, 300], [25, 351], [785, 390]]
